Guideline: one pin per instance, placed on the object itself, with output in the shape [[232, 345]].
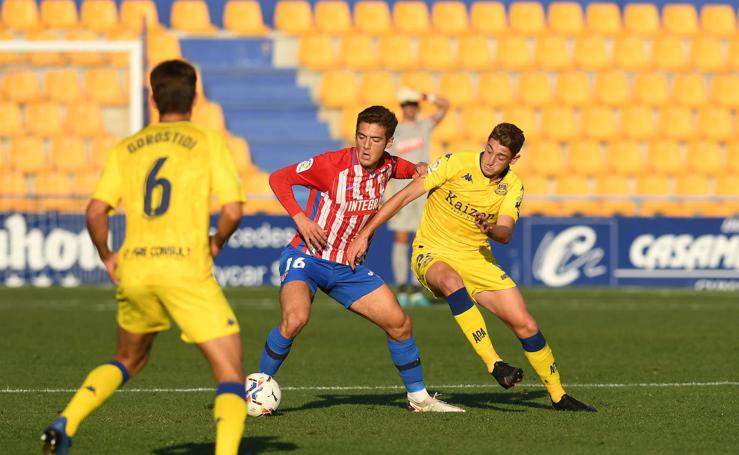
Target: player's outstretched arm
[[97, 226], [228, 222], [501, 231], [359, 245]]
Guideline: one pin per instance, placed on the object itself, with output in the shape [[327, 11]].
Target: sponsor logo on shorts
[[504, 276]]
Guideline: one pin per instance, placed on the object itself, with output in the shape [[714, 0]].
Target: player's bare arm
[[501, 231], [97, 225], [442, 106], [228, 222], [421, 170], [359, 245]]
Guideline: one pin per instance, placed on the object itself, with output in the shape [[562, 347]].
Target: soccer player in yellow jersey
[[474, 198], [164, 177]]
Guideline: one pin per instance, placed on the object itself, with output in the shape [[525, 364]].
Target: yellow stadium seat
[[637, 122], [651, 88], [706, 158], [523, 117], [21, 15], [99, 148], [43, 119], [99, 15], [495, 89], [534, 89], [294, 17], [457, 88], [689, 89], [333, 17], [436, 54], [448, 129], [552, 53], [565, 18], [67, 154], [586, 158], [450, 17], [610, 187], [718, 20], [546, 157], [514, 53], [103, 86], [241, 154], [669, 54], [591, 53], [676, 122], [580, 201], [693, 185], [59, 14], [348, 125], [137, 14], [726, 185], [411, 17], [162, 45], [603, 18], [612, 89], [474, 53], [10, 58], [317, 52], [417, 80], [358, 52], [337, 89], [626, 158], [680, 19], [725, 90], [653, 185], [559, 123], [641, 19], [716, 124], [377, 87], [85, 183], [44, 58], [732, 158], [372, 17], [527, 18], [14, 184], [191, 16], [27, 155], [488, 18], [244, 18], [89, 58], [21, 86], [467, 145], [11, 121], [666, 157], [209, 115], [538, 188], [85, 119], [477, 122], [396, 53], [598, 123], [573, 89], [706, 54], [52, 184], [630, 53]]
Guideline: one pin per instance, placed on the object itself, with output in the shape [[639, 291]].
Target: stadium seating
[[333, 17], [565, 18], [59, 14], [244, 18], [21, 15], [450, 17], [603, 19], [99, 15], [191, 16], [379, 12], [488, 18], [136, 15], [718, 20]]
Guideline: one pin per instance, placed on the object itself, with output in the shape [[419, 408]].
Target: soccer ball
[[262, 394]]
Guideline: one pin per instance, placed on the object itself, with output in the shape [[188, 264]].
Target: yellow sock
[[474, 328], [545, 366], [229, 412], [98, 386]]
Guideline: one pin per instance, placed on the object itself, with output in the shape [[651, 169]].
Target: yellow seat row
[[104, 86], [47, 118]]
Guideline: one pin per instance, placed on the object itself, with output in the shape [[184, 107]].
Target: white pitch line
[[398, 387]]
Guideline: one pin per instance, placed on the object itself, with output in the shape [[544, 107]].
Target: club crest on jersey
[[502, 189], [304, 166], [434, 166]]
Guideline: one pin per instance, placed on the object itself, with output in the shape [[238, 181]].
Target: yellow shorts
[[199, 309], [479, 270]]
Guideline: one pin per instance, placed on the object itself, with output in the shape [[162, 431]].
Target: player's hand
[[357, 251], [111, 264], [313, 235], [421, 170], [482, 223], [215, 249]]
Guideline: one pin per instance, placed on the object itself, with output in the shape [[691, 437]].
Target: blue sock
[[459, 301], [408, 362], [533, 343], [275, 351]]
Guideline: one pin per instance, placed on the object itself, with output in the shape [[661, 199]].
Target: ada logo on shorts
[[502, 189], [304, 166]]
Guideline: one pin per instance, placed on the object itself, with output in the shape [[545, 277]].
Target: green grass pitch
[[662, 367]]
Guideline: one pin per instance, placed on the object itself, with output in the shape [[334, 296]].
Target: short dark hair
[[509, 136], [379, 115], [173, 86]]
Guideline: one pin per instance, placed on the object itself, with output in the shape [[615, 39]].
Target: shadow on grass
[[498, 401], [249, 445]]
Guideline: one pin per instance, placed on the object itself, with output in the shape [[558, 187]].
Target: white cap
[[407, 95]]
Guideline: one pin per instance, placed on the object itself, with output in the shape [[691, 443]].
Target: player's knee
[[526, 328], [401, 330], [451, 283], [293, 324]]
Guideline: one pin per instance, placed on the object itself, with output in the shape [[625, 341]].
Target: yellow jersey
[[165, 176], [458, 190]]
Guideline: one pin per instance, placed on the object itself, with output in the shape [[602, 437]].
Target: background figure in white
[[413, 143]]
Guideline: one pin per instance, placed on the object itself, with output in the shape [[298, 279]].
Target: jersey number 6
[[151, 183]]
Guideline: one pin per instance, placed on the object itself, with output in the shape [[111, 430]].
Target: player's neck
[[174, 117]]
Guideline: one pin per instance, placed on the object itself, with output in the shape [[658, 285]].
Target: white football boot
[[432, 404]]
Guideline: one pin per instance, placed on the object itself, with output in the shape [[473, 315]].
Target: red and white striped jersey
[[343, 195]]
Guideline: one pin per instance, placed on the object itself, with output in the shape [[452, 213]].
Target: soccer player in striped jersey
[[346, 187]]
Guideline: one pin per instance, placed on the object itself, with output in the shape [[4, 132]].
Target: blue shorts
[[339, 281]]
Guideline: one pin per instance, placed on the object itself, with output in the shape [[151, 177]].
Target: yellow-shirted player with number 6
[[473, 198], [164, 176]]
